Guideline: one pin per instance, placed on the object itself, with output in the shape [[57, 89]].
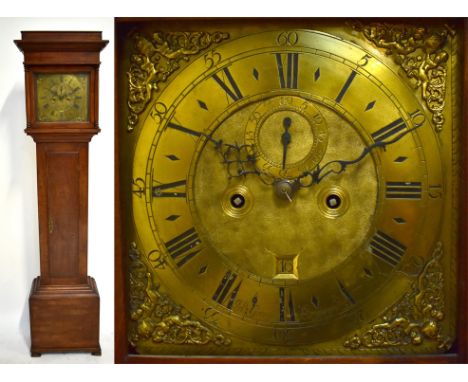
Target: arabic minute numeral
[[364, 60], [287, 39], [158, 112], [212, 58]]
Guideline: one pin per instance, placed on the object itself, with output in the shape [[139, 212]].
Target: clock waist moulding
[[61, 74]]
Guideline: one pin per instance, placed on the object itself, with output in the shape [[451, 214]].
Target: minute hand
[[322, 172]]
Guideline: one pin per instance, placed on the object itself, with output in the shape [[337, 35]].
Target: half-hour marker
[[287, 75], [392, 128], [314, 302], [368, 272], [370, 105], [183, 129], [231, 88], [159, 190], [184, 247], [224, 288], [286, 305], [254, 302], [202, 105], [317, 74], [403, 190], [400, 159], [345, 87], [387, 248], [202, 269], [399, 220], [346, 293], [172, 157], [172, 218], [255, 74]]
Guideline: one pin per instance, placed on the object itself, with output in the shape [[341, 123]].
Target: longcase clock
[[62, 116]]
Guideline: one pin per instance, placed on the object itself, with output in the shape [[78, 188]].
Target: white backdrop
[[19, 239]]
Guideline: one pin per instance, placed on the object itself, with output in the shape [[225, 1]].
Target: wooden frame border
[[459, 352]]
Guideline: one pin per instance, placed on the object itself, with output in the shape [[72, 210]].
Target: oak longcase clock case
[[290, 190], [61, 75]]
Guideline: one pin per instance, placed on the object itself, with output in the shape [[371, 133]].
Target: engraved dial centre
[[287, 219]]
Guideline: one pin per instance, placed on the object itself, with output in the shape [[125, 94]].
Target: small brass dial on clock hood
[[62, 97]]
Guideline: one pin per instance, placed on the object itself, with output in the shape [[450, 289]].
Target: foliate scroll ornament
[[420, 52], [156, 58], [416, 318], [154, 316]]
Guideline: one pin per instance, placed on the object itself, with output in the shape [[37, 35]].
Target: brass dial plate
[[62, 97], [295, 274]]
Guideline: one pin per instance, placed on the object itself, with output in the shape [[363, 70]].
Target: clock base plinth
[[64, 318]]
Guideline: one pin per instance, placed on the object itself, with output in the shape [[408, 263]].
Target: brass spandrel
[[156, 57]]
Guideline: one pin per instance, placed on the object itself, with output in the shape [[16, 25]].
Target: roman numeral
[[183, 129], [386, 248], [345, 87], [286, 303], [403, 190], [231, 88], [288, 76], [225, 288], [184, 247], [388, 131], [158, 191]]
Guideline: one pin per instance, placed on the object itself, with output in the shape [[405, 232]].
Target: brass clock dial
[[62, 97], [281, 187]]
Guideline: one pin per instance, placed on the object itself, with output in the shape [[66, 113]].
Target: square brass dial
[[289, 188], [62, 97]]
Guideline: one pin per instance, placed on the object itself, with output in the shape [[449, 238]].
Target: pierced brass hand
[[237, 158], [309, 178]]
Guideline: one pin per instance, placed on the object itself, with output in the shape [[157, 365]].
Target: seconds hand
[[285, 138]]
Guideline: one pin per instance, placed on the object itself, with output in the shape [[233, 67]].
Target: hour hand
[[238, 159]]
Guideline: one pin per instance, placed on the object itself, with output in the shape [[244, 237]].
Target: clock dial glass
[[62, 97], [283, 192]]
